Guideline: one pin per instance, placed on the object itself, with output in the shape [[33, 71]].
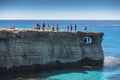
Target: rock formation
[[28, 47]]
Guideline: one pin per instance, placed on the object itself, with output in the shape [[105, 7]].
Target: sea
[[110, 45]]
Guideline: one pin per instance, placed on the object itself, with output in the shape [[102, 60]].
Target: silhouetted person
[[71, 27], [38, 26], [48, 27], [85, 29], [57, 27], [75, 27], [52, 28], [43, 26], [68, 28]]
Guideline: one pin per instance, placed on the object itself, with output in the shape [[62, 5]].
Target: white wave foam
[[111, 61]]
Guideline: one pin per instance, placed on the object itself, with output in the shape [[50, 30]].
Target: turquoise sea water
[[111, 47]]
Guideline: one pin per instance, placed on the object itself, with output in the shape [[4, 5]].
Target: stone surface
[[27, 47]]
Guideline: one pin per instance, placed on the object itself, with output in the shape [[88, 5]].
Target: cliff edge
[[26, 47]]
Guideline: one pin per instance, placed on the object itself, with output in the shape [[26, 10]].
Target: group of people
[[54, 27], [70, 28], [43, 27]]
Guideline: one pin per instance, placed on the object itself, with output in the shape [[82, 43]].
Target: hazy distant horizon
[[61, 19], [29, 23]]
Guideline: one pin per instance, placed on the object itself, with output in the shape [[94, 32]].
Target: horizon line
[[69, 19]]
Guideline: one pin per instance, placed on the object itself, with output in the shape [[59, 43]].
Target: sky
[[60, 9]]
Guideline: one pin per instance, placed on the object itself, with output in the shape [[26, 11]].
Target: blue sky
[[60, 9]]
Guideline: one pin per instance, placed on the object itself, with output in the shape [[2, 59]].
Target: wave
[[111, 62]]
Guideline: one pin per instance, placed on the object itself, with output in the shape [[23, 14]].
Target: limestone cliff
[[28, 47]]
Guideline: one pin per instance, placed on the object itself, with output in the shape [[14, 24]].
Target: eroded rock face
[[26, 48]]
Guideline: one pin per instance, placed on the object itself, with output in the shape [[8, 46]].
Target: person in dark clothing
[[68, 28], [85, 29], [38, 26], [48, 27], [52, 28], [57, 27], [43, 26], [75, 27], [71, 27]]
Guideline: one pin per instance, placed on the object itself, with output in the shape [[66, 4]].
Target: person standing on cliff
[[68, 28], [48, 27], [57, 27], [71, 27], [43, 26], [85, 29], [38, 26], [75, 27]]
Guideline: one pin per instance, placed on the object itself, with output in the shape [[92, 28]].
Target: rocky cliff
[[27, 47]]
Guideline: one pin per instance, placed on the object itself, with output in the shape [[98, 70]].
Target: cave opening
[[88, 40]]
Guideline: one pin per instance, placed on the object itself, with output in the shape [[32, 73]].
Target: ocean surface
[[110, 44]]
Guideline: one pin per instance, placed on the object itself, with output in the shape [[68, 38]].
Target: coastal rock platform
[[28, 48]]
